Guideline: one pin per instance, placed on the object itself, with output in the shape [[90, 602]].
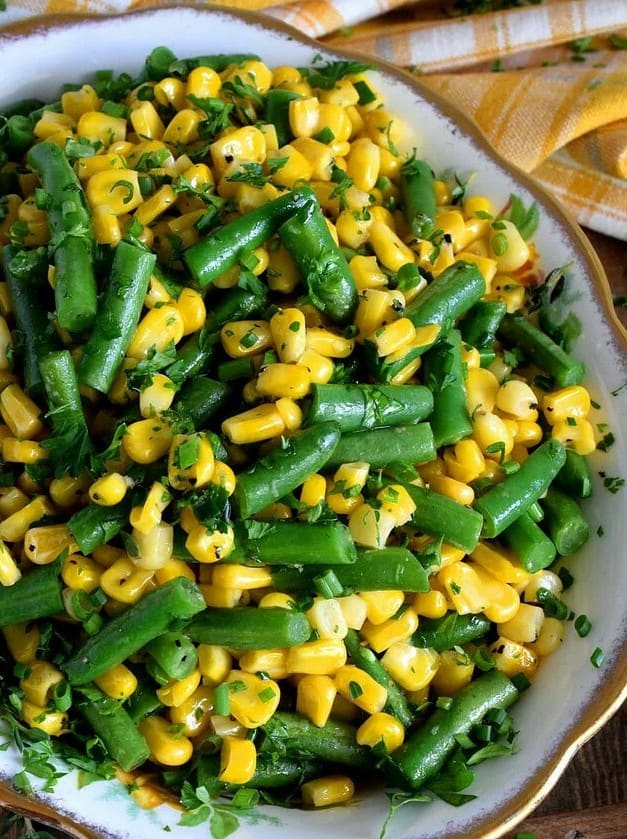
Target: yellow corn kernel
[[194, 713], [382, 605], [53, 723], [16, 525], [157, 396], [500, 563], [209, 545], [528, 434], [430, 604], [270, 662], [319, 367], [381, 728], [192, 309], [9, 570], [474, 204], [167, 747], [406, 372], [177, 691], [39, 684], [171, 91], [182, 128], [363, 163], [549, 639], [247, 143], [525, 626], [88, 166], [507, 246], [327, 791], [223, 476], [290, 412], [80, 572], [22, 451], [233, 575], [107, 229], [6, 344], [260, 423], [313, 490], [322, 657], [482, 387], [353, 228], [238, 760], [393, 336], [319, 156], [390, 250], [384, 128], [470, 357], [277, 600], [360, 688], [369, 527], [366, 272], [314, 698], [22, 639], [74, 103], [174, 568], [304, 115], [52, 125], [464, 461], [487, 267], [503, 599], [245, 337], [517, 400], [559, 405], [327, 618], [286, 77], [146, 121], [380, 636], [120, 393], [329, 344], [154, 548], [214, 663], [154, 206], [454, 672], [69, 491], [354, 610], [143, 518], [577, 435], [464, 588], [295, 168], [124, 581], [118, 189], [156, 330], [253, 704], [190, 461], [283, 380], [106, 555], [98, 126], [147, 440], [203, 83], [27, 483], [118, 683], [20, 413], [492, 435], [451, 488], [110, 489], [287, 328], [508, 290], [397, 501], [512, 658], [374, 310]]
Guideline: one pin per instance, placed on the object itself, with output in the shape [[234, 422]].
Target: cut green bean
[[505, 502], [174, 653], [330, 283], [194, 356], [335, 742], [381, 446], [447, 297], [284, 468], [418, 196], [118, 315], [96, 525], [451, 630], [113, 725], [249, 629], [37, 594], [529, 543], [564, 521], [438, 515], [425, 752], [200, 398], [575, 476], [161, 610], [444, 376], [480, 324], [357, 407], [292, 543], [517, 330], [72, 238]]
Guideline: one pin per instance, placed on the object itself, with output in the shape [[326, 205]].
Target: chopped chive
[[552, 605], [566, 577], [267, 694], [597, 657], [583, 626], [249, 339], [444, 702], [521, 682], [325, 136], [327, 584], [221, 700], [366, 93], [355, 690]]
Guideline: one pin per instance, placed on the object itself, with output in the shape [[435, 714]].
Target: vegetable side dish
[[292, 440]]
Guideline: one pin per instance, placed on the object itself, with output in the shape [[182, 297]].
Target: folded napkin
[[545, 81]]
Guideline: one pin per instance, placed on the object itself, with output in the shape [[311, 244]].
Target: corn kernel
[[167, 748], [381, 728], [322, 657], [360, 688], [253, 704], [314, 698], [512, 658], [327, 791], [454, 672], [118, 683]]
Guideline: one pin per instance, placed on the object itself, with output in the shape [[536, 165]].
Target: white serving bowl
[[570, 699]]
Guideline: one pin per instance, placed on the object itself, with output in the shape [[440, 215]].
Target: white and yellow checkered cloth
[[546, 82]]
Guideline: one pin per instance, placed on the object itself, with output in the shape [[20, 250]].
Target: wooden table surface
[[588, 802]]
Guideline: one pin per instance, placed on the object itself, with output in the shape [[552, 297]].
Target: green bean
[[144, 701], [249, 629], [292, 543], [505, 502], [330, 283], [200, 398], [223, 248], [119, 311], [418, 196], [451, 630], [218, 62], [26, 274], [447, 297], [284, 468], [174, 653], [193, 357], [382, 446], [294, 736], [517, 330], [236, 304], [95, 525], [357, 407], [236, 368], [113, 725], [529, 543], [159, 611], [375, 569], [575, 476], [438, 515], [363, 657], [272, 771], [564, 521], [72, 238], [444, 376], [422, 756], [480, 324], [37, 594]]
